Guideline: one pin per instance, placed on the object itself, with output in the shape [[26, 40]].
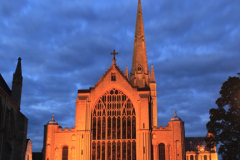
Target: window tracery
[[114, 127]]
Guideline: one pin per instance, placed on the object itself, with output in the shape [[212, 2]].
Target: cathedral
[[117, 119]]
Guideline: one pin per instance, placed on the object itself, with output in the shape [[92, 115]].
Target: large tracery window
[[114, 127]]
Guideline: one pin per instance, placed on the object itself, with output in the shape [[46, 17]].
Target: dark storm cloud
[[66, 46]]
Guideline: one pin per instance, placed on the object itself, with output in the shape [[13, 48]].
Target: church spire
[[139, 51], [17, 83], [139, 61]]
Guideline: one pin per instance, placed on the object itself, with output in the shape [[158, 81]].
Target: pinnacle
[[126, 73], [152, 75]]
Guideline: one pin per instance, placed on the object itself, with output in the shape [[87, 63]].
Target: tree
[[225, 120]]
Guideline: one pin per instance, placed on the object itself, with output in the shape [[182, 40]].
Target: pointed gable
[[114, 69]]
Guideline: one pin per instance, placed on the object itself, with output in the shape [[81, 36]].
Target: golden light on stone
[[117, 118]]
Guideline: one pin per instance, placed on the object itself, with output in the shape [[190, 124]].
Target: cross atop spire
[[114, 53]]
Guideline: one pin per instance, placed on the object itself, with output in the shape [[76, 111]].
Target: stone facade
[[171, 138], [13, 124], [117, 118]]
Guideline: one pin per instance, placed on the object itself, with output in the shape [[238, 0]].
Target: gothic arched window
[[65, 153], [115, 120], [161, 151]]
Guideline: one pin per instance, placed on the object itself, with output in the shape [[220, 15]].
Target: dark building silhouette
[[13, 124]]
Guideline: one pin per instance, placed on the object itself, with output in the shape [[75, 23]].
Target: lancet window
[[114, 127], [113, 76], [12, 126]]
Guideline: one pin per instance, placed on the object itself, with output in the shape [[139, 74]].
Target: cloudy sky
[[66, 45]]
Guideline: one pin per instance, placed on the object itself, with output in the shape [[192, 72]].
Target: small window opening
[[139, 68], [113, 77], [143, 125]]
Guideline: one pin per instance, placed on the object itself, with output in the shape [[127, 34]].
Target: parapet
[[66, 129], [161, 128]]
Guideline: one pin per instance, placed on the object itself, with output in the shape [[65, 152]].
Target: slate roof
[[4, 85], [193, 143]]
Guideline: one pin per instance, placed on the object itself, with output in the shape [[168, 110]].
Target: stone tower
[[140, 76]]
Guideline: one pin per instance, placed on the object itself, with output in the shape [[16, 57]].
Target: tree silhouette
[[225, 120]]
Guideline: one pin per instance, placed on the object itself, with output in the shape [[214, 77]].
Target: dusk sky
[[65, 45]]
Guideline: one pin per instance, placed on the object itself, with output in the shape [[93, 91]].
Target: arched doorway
[[65, 153], [161, 147]]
